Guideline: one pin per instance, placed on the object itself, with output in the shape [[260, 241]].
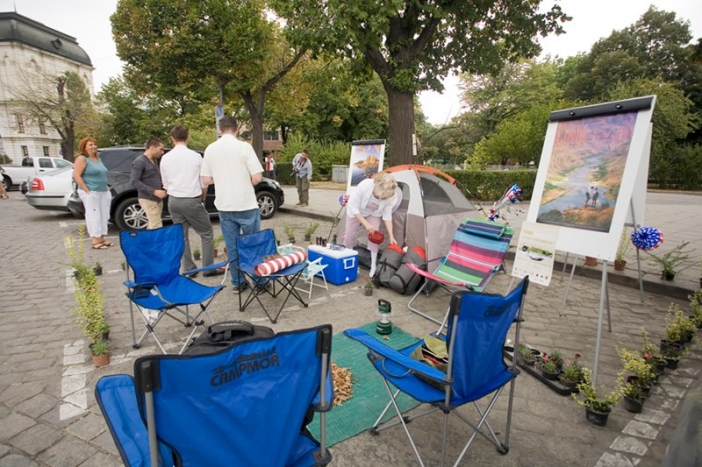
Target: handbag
[[432, 352]]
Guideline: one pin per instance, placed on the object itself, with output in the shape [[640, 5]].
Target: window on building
[[20, 124], [46, 151], [42, 126], [25, 151], [270, 135]]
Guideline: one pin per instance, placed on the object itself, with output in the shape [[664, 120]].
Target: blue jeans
[[234, 223]]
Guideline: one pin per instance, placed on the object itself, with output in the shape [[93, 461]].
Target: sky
[[89, 22]]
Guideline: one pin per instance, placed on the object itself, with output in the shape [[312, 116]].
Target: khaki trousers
[[153, 211]]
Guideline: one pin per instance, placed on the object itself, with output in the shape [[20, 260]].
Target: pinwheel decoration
[[511, 195], [647, 238]]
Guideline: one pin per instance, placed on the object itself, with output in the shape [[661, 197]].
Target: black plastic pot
[[633, 405], [596, 418]]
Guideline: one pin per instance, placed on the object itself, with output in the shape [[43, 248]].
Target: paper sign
[[536, 252]]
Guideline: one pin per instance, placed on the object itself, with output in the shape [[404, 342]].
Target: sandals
[[106, 243], [99, 246]]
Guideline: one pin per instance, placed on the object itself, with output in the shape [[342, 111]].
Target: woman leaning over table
[[91, 176]]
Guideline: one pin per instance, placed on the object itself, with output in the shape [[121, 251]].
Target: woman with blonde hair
[[373, 200], [91, 176]]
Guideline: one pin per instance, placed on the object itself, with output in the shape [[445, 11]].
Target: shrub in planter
[[597, 401]]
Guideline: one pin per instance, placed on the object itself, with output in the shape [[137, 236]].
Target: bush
[[323, 155]]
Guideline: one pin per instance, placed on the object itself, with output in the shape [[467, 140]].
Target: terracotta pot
[[101, 360], [590, 261], [619, 264]]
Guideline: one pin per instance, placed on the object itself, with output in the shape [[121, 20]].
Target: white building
[[29, 49]]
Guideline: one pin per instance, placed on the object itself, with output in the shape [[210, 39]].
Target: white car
[[51, 191]]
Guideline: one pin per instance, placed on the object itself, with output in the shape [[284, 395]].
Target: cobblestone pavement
[[48, 414]]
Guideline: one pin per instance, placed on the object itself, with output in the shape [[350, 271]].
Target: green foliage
[[672, 261], [323, 155], [99, 348], [624, 244], [678, 326], [594, 398], [696, 307], [289, 231], [488, 185], [312, 228], [636, 365], [89, 313]]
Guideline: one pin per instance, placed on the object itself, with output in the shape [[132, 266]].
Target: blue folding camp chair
[[252, 250], [247, 405], [158, 290], [475, 255], [477, 329]]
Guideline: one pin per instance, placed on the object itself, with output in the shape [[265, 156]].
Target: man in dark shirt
[[146, 178]]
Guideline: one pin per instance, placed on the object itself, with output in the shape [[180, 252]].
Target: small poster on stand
[[366, 160], [536, 252]]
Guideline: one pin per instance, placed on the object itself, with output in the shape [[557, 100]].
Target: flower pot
[[666, 345], [619, 264], [196, 256], [595, 417], [368, 291], [97, 271], [633, 405], [101, 360], [672, 363], [549, 375], [569, 383], [291, 239], [590, 261], [215, 253], [669, 276], [308, 238], [645, 390], [528, 360]]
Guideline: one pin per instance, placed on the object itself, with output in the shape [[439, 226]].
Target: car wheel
[[129, 215], [267, 204], [6, 183]]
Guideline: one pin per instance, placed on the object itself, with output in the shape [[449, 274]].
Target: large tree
[[194, 51], [63, 101], [412, 45]]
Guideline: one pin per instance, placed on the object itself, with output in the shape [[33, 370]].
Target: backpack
[[390, 260], [220, 336]]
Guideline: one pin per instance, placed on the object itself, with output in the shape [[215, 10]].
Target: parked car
[[30, 167], [51, 191], [126, 212]]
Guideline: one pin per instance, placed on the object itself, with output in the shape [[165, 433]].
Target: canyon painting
[[585, 171]]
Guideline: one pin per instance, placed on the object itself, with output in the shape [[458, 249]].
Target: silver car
[[51, 191]]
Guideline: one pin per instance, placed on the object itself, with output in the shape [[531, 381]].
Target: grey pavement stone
[[615, 460], [4, 449], [36, 439], [37, 405], [13, 424], [105, 441], [88, 427], [629, 445], [68, 452], [640, 429], [16, 460], [102, 460]]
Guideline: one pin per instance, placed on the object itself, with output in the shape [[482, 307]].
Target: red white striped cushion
[[275, 265]]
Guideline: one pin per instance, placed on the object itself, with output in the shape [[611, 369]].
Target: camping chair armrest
[[206, 268], [329, 391], [144, 285], [394, 356]]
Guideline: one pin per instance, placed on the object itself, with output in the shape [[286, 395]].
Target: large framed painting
[[591, 161], [367, 159]]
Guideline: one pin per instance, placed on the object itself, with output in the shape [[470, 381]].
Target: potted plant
[[90, 310], [624, 244], [641, 373], [196, 254], [571, 372], [671, 262], [100, 351], [98, 269], [633, 398], [548, 367], [368, 287], [679, 329], [290, 233], [672, 357], [696, 307], [651, 354], [597, 402], [217, 242], [590, 261], [526, 354], [310, 230]]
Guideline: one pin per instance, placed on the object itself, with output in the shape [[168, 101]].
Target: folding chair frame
[[378, 354], [287, 279], [314, 269]]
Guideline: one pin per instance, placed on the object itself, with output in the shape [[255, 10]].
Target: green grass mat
[[369, 396]]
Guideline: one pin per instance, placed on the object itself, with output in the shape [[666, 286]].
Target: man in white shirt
[[180, 174], [232, 165]]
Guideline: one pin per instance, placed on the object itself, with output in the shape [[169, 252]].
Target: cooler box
[[342, 265]]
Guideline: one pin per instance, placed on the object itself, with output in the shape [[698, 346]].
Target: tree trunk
[[256, 114], [401, 105]]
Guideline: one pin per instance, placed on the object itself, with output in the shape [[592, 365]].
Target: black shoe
[[191, 275], [266, 286], [213, 272], [241, 288]]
